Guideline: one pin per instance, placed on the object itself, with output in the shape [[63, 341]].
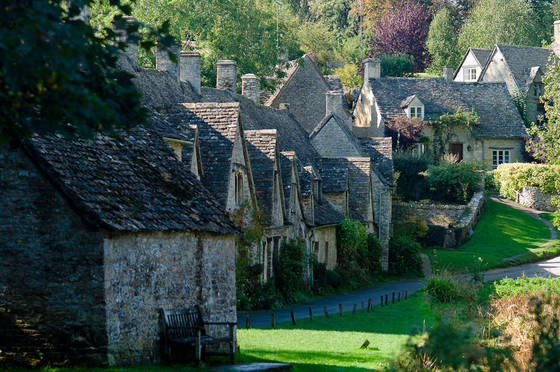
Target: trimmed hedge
[[511, 178]]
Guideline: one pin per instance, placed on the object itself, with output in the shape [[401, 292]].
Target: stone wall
[[326, 249], [533, 197], [51, 272], [332, 141], [382, 206], [147, 271], [469, 219]]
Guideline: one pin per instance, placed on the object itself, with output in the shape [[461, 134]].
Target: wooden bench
[[185, 327]]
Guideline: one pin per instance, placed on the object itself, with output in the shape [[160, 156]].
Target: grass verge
[[503, 237]]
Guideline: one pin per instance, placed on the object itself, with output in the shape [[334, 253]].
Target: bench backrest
[[179, 323]]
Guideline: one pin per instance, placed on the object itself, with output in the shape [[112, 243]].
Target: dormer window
[[538, 89], [416, 112], [470, 74]]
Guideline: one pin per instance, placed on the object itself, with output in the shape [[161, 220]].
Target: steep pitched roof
[[305, 91], [499, 117], [325, 214], [129, 183], [380, 150], [481, 55], [261, 146], [520, 60], [348, 133], [334, 173], [217, 131]]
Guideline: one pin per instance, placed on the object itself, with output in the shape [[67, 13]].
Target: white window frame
[[500, 157], [416, 112], [470, 74]]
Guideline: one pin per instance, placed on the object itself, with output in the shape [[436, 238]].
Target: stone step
[[251, 367]]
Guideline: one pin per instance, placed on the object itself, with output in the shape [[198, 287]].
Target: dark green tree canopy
[[58, 75]]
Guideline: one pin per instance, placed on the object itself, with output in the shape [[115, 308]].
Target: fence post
[[399, 297], [363, 308], [326, 311], [340, 308], [354, 309], [273, 320], [370, 305], [381, 301], [293, 317], [393, 297], [386, 299], [310, 313], [248, 322]]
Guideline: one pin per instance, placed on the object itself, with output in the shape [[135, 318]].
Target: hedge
[[511, 178]]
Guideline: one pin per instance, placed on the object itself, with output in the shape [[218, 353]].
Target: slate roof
[[347, 131], [129, 183], [499, 117], [520, 60], [325, 214], [334, 173], [481, 55], [261, 146], [216, 133], [380, 150]]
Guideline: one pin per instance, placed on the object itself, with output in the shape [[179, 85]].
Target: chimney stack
[[250, 87], [189, 69], [448, 73], [131, 51], [557, 32], [164, 62], [372, 68], [226, 75], [335, 105]]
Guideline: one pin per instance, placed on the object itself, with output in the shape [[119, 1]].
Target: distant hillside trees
[[403, 29], [442, 42], [500, 21]]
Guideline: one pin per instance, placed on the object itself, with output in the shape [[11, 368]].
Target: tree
[[374, 10], [403, 30], [442, 42], [546, 12], [337, 16], [242, 30], [316, 38], [58, 75], [499, 21], [545, 144]]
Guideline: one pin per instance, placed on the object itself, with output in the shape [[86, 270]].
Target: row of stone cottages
[[96, 235]]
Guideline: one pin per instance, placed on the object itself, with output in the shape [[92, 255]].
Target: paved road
[[261, 319]]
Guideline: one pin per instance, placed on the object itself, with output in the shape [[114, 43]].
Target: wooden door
[[457, 150]]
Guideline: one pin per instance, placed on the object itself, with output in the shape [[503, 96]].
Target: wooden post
[[399, 297], [273, 320], [326, 311], [248, 322], [354, 309], [363, 308], [340, 308], [393, 297], [405, 294], [386, 299], [370, 305], [381, 301], [293, 317], [310, 313]]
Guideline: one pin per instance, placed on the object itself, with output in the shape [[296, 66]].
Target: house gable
[[472, 64], [332, 138]]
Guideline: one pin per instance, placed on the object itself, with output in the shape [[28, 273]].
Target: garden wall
[[533, 197]]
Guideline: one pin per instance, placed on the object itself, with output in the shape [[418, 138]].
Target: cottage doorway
[[457, 150]]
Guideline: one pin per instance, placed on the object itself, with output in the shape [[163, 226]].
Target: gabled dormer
[[413, 107]]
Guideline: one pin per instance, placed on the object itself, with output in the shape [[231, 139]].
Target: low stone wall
[[533, 197], [470, 218]]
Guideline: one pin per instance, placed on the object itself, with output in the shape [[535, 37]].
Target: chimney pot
[[189, 69], [448, 73], [164, 62], [226, 75], [250, 86], [131, 51], [372, 68]]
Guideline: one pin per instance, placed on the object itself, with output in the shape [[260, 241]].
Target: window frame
[[501, 156], [418, 112]]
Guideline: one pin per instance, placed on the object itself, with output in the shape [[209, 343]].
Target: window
[[316, 249], [416, 112], [238, 179], [470, 74], [500, 157], [326, 253], [538, 89]]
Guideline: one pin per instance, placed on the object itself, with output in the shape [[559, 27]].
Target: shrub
[[319, 274], [333, 279], [435, 236], [453, 182], [289, 270], [511, 178], [411, 184], [397, 65], [443, 288], [404, 255], [349, 76], [405, 132], [370, 255]]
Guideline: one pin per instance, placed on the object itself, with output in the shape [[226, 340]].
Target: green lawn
[[547, 216], [502, 232], [333, 344]]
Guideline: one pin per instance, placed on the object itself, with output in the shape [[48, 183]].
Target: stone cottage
[[96, 235], [499, 138]]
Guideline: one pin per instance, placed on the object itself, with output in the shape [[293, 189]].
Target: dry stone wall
[[533, 197]]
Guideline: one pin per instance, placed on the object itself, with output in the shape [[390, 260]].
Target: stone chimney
[[372, 68], [131, 51], [164, 62], [226, 75], [335, 105], [250, 87], [557, 32], [448, 73], [189, 69]]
